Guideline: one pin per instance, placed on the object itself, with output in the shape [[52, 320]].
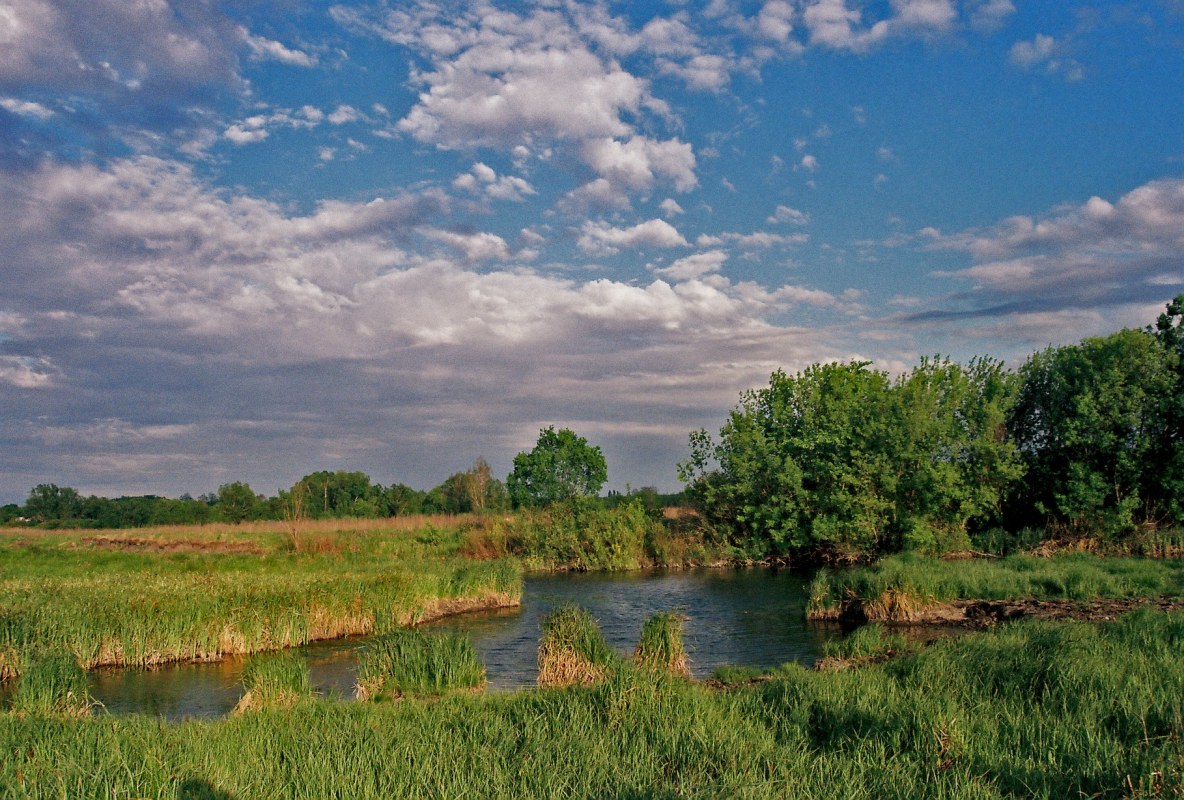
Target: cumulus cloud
[[246, 324], [694, 266], [516, 82], [600, 238], [483, 179], [1097, 253]]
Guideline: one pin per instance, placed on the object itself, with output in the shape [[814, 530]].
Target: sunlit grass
[[906, 583], [142, 605], [417, 662], [1033, 710]]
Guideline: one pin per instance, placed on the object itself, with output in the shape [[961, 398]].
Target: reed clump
[[275, 680], [53, 685], [573, 650], [660, 648], [414, 662]]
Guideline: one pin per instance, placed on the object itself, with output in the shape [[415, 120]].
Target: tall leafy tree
[[561, 466], [1089, 423], [1166, 484]]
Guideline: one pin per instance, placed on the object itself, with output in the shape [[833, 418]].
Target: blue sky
[[246, 241]]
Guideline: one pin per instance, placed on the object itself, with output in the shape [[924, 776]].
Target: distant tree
[[237, 502], [340, 494], [49, 502], [561, 466]]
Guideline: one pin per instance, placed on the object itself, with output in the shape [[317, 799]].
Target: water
[[744, 617]]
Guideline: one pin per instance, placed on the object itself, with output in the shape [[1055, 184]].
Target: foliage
[[1089, 424], [409, 661], [1027, 710], [838, 458], [580, 535], [561, 466]]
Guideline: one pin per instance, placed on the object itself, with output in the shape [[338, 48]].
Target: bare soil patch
[[986, 613], [148, 545]]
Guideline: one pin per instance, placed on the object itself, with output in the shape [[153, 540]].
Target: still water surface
[[744, 617]]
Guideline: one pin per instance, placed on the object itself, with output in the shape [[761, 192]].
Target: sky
[[251, 240]]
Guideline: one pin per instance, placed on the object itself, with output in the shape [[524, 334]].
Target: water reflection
[[746, 617]]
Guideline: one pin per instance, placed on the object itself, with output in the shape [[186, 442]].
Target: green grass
[[53, 684], [910, 581], [573, 650], [149, 597], [410, 661], [274, 680], [660, 647], [1029, 710]]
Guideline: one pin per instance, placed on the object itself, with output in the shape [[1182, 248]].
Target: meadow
[[1031, 709], [199, 593]]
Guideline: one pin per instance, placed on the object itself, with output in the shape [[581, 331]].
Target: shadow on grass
[[198, 789]]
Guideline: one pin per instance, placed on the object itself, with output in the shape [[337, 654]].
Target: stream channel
[[753, 617]]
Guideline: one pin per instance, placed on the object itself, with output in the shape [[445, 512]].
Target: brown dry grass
[[562, 666]]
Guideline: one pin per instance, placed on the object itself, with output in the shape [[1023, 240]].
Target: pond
[[742, 617]]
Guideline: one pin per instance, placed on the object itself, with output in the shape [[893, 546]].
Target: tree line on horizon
[[562, 465], [839, 460]]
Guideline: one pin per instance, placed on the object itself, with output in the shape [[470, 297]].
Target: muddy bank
[[986, 613]]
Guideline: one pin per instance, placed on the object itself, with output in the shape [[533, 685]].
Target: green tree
[[1089, 423], [1166, 486], [340, 494], [562, 466], [237, 502], [49, 502]]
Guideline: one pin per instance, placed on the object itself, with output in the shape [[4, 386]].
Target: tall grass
[[660, 647], [53, 684], [411, 661], [900, 585], [274, 680], [1032, 710], [573, 650], [120, 606]]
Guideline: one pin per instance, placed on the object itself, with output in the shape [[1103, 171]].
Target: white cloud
[[270, 50], [343, 114], [638, 162], [1029, 54], [785, 214], [602, 239], [694, 266], [670, 207], [25, 108], [1090, 253], [809, 163], [26, 373], [990, 15]]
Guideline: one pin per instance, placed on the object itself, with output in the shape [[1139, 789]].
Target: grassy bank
[[186, 593], [1029, 710], [902, 588]]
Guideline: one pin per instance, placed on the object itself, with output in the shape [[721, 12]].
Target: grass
[[1033, 710], [55, 685], [274, 680], [573, 650], [174, 594], [660, 648], [413, 662], [898, 587]]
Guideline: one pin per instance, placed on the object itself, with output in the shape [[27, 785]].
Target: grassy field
[[898, 587], [155, 595], [1033, 709]]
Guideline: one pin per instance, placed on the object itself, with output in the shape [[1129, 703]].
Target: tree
[[1089, 422], [49, 502], [561, 466], [237, 502], [1166, 487]]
